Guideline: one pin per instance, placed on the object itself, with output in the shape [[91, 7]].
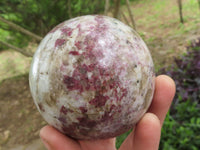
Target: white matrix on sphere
[[92, 77]]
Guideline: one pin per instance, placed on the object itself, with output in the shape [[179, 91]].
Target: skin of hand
[[145, 135]]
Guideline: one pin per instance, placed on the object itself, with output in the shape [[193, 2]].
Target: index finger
[[163, 96]]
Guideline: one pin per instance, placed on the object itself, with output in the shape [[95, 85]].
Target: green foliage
[[4, 35], [182, 124], [41, 16], [181, 131]]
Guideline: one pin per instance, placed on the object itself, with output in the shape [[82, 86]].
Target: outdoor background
[[170, 28]]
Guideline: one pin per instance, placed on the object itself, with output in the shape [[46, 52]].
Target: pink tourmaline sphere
[[92, 77]]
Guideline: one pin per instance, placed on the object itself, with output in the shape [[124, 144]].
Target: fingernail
[[46, 144]]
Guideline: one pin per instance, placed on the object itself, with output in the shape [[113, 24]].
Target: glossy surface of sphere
[[92, 77]]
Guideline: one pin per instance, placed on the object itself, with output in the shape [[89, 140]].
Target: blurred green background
[[173, 40]]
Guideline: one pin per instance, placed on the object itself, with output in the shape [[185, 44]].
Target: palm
[[145, 135]]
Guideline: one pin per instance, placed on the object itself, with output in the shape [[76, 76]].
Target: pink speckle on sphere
[[92, 77]]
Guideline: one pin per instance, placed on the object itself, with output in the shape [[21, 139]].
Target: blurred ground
[[166, 38], [19, 120]]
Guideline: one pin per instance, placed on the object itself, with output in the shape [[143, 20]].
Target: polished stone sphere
[[92, 77]]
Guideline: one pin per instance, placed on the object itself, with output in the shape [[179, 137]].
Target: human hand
[[145, 135]]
